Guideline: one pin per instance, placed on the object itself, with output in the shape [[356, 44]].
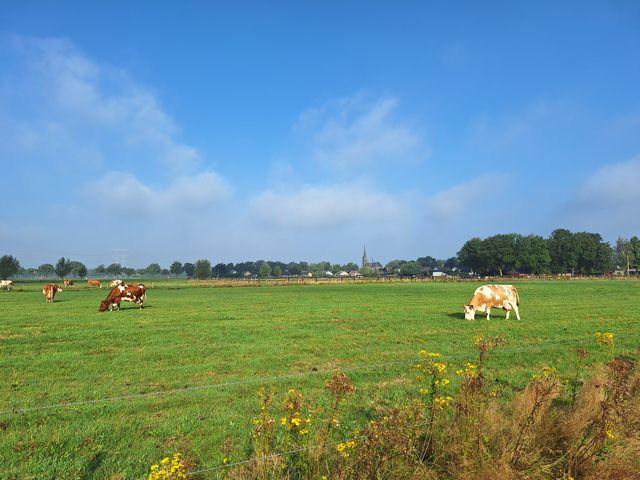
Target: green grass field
[[231, 341]]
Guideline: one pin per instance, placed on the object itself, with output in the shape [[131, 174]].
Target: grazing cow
[[489, 296], [123, 292], [67, 282], [8, 284], [49, 291], [94, 283], [115, 283]]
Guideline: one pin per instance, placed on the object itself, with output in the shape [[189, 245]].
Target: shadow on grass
[[93, 465], [457, 316]]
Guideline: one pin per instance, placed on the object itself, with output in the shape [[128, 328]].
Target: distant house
[[438, 274], [343, 274], [355, 273], [328, 274]]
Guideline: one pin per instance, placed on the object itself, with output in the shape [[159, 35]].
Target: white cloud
[[612, 187], [454, 203], [328, 206], [356, 131], [121, 193], [606, 202], [96, 102]]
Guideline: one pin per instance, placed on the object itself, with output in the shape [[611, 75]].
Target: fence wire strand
[[266, 380]]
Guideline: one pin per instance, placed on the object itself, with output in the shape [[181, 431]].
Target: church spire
[[365, 260]]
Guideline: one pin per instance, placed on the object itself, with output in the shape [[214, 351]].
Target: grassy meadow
[[89, 395]]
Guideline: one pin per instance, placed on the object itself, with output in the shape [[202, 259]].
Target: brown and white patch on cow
[[49, 292], [487, 297]]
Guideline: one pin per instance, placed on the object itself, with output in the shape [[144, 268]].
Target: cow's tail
[[517, 297]]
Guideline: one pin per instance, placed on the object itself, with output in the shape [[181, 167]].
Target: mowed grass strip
[[209, 350]]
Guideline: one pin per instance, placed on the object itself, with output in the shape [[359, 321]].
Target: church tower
[[365, 260]]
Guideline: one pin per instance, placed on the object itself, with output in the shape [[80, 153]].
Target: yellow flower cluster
[[172, 469], [297, 423], [425, 354], [605, 338], [469, 371], [343, 448], [546, 372], [610, 434], [294, 421], [440, 402]]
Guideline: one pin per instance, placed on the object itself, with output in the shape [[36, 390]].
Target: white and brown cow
[[487, 297], [115, 282], [128, 293], [8, 284], [68, 282], [49, 292], [94, 283]]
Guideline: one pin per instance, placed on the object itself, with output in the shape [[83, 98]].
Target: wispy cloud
[[123, 194], [327, 206], [454, 203], [357, 130], [75, 100]]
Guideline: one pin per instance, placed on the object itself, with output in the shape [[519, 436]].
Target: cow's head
[[469, 312], [56, 288], [103, 306]]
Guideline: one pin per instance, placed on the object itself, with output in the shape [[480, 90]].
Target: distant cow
[[489, 296], [128, 293], [115, 283], [8, 284], [49, 291], [67, 282], [94, 283]]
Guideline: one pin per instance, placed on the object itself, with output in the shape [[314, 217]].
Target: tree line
[[562, 252]]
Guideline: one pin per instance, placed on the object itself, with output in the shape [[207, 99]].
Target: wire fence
[[288, 376]]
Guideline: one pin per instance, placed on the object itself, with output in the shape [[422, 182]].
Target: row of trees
[[562, 252]]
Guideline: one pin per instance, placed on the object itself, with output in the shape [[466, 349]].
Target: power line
[[163, 393]]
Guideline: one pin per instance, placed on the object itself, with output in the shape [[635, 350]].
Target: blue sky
[[302, 130]]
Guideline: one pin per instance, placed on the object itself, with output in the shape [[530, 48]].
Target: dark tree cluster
[[562, 252]]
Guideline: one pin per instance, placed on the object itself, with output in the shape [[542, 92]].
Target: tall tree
[[46, 269], [634, 243], [502, 252], [176, 268], [114, 269], [277, 271], [593, 255], [532, 255], [410, 268], [474, 254], [264, 270], [624, 254], [219, 270], [562, 250], [189, 269], [79, 269], [9, 266], [202, 269], [153, 269], [63, 267]]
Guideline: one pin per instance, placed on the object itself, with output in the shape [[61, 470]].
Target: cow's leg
[[508, 312], [517, 310], [488, 312]]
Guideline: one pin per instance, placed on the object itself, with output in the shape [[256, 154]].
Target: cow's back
[[495, 296]]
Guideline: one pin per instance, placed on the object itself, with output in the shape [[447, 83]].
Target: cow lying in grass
[[128, 293], [489, 296]]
